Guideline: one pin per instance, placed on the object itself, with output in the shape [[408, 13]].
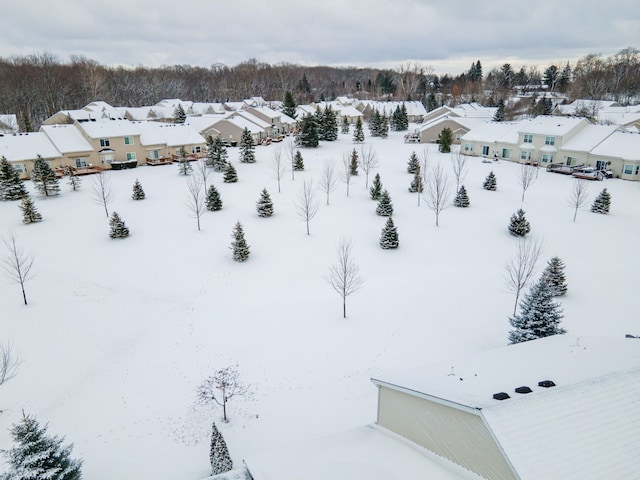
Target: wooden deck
[[79, 171], [159, 161]]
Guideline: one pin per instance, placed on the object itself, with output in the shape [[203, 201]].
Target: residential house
[[22, 149], [540, 138], [76, 150], [460, 120], [620, 152], [628, 117], [492, 140], [576, 150], [557, 407], [115, 141], [583, 108]]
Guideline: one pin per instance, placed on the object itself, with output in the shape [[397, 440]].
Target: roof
[[67, 138], [17, 147], [584, 104], [359, 454], [466, 123], [170, 134], [550, 125], [589, 137], [493, 132], [103, 128], [625, 145]]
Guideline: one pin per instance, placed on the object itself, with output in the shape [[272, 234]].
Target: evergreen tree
[[44, 178], [413, 165], [184, 165], [38, 456], [518, 225], [289, 105], [217, 154], [445, 139], [118, 228], [344, 129], [417, 184], [264, 205], [358, 132], [72, 176], [499, 115], [210, 151], [389, 237], [11, 187], [602, 203], [376, 188], [179, 115], [432, 104], [539, 315], [219, 453], [298, 162], [385, 207], [308, 136], [461, 199], [30, 213], [138, 192], [213, 201], [384, 127], [490, 183], [239, 245], [230, 174], [554, 275], [247, 149], [375, 123], [329, 125], [353, 166]]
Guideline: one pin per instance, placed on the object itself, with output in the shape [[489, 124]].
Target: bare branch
[[578, 196], [528, 175], [437, 192], [458, 164], [221, 387], [101, 190], [368, 161], [17, 266], [328, 180], [307, 207], [520, 269], [346, 170], [203, 171], [343, 276], [277, 165], [195, 199], [9, 362]]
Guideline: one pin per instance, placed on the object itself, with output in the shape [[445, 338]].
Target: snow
[[119, 333], [67, 138]]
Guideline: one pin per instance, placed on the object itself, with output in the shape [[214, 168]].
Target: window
[[525, 155], [628, 170], [81, 162], [106, 159], [637, 169], [468, 147], [601, 165], [196, 149], [128, 140], [104, 142], [458, 137], [528, 138], [485, 150], [549, 140], [571, 161], [19, 167], [506, 153], [547, 158], [154, 154], [131, 156]]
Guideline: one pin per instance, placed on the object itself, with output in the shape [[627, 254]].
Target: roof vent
[[501, 396], [523, 390], [546, 383]]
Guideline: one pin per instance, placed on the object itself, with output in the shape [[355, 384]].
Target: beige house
[[76, 150], [620, 152], [459, 126], [492, 140], [116, 142], [576, 150], [557, 407], [22, 149]]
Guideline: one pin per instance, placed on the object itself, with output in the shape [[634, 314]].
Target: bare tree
[[17, 266], [459, 166], [291, 153], [203, 171], [328, 180], [196, 203], [307, 207], [578, 196], [437, 192], [343, 276], [221, 387], [9, 362], [528, 175], [101, 190], [368, 161], [277, 166], [520, 269], [346, 170]]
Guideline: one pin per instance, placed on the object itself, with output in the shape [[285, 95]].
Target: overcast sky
[[446, 35]]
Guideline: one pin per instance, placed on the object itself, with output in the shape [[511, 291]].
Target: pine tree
[[389, 237], [417, 184], [289, 105], [72, 176], [602, 203], [432, 104], [217, 154], [264, 205], [213, 201], [11, 187], [210, 151], [138, 192], [499, 115], [30, 213], [461, 199], [385, 207], [413, 165], [184, 165], [344, 128], [219, 453], [118, 228], [329, 124], [384, 127], [375, 123], [554, 275], [539, 315], [358, 132], [298, 162], [179, 115], [38, 456], [230, 174], [445, 139], [247, 149], [353, 166], [239, 245], [308, 136], [44, 178], [518, 224], [376, 188], [490, 182]]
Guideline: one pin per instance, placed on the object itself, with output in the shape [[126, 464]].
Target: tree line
[[34, 87]]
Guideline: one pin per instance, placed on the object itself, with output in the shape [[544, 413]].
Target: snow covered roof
[[207, 108], [66, 138], [170, 134], [234, 106], [474, 110], [501, 132], [252, 118], [618, 118], [149, 113], [363, 453], [204, 122], [589, 137], [584, 427], [104, 128], [584, 104], [625, 145], [268, 112], [549, 125], [240, 122], [173, 103], [17, 147], [468, 123]]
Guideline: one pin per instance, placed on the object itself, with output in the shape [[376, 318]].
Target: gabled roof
[[465, 123], [170, 134], [108, 128], [204, 122], [625, 145], [589, 137], [252, 118], [550, 125], [500, 132], [207, 108], [67, 138], [583, 104], [17, 147]]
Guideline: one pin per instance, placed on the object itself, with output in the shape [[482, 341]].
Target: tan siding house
[[22, 149]]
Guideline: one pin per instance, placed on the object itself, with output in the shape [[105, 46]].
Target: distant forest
[[35, 87]]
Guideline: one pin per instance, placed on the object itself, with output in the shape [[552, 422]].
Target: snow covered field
[[119, 333]]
